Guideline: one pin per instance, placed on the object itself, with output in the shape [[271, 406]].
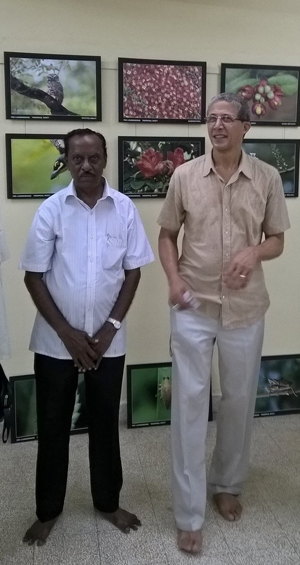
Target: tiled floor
[[268, 534]]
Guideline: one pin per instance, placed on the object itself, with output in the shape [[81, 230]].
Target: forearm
[[168, 254], [126, 294], [271, 248], [44, 302]]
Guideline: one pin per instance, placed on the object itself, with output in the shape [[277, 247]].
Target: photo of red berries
[[146, 164], [161, 91], [283, 154], [272, 92]]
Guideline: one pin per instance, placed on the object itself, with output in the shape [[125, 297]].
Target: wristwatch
[[115, 323]]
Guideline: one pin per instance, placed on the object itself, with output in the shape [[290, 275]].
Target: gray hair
[[232, 98]]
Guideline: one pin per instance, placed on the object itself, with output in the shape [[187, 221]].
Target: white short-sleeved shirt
[[83, 253]]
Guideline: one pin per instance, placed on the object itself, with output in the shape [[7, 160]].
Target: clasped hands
[[87, 351]]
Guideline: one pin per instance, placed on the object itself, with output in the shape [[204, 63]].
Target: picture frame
[[161, 91], [146, 164], [35, 165], [40, 86], [272, 91], [278, 390], [283, 154], [149, 395], [24, 419]]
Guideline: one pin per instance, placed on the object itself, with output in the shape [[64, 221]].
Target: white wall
[[215, 31]]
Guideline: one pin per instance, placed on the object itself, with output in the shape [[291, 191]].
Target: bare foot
[[39, 532], [228, 506], [190, 541], [123, 520]]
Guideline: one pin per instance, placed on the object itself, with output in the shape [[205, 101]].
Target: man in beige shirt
[[234, 214]]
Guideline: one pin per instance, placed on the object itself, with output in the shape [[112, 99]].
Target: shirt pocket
[[113, 252]]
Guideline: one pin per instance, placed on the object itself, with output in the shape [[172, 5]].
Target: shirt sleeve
[[40, 244], [139, 252], [276, 217], [172, 214]]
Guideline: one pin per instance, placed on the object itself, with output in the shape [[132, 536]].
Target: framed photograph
[[272, 92], [52, 87], [278, 389], [283, 154], [35, 165], [161, 91], [146, 164], [24, 419], [149, 388]]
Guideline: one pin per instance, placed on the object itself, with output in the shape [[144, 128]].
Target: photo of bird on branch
[[37, 164], [38, 87]]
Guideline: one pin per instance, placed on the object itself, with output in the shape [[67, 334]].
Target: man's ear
[[247, 126]]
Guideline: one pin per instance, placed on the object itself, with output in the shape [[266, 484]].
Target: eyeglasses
[[226, 119]]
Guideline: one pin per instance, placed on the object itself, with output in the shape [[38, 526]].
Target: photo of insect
[[279, 388], [164, 391]]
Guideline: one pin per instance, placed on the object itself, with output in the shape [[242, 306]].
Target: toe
[[40, 542]]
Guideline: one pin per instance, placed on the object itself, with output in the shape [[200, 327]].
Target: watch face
[[117, 324]]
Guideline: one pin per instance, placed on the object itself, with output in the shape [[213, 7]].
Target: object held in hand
[[191, 300], [243, 276]]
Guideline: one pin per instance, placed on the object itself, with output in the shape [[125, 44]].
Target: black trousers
[[56, 384]]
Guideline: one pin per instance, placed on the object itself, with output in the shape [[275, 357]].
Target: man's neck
[[90, 195], [227, 161]]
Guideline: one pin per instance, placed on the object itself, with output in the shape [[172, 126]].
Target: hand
[[102, 340], [80, 346], [177, 290], [241, 268]]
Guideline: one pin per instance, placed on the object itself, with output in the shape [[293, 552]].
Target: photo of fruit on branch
[[146, 164], [272, 93], [53, 87]]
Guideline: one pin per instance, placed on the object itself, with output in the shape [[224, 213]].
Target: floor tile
[[285, 557], [267, 534], [63, 549]]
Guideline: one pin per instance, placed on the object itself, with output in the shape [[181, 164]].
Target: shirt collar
[[244, 166], [108, 192]]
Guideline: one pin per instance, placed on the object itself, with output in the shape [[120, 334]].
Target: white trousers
[[192, 341]]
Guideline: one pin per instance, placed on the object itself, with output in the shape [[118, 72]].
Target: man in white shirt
[[82, 261]]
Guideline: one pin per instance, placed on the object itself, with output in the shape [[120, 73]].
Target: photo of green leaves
[[146, 164], [24, 422], [36, 165], [56, 87], [279, 385], [281, 154], [272, 92]]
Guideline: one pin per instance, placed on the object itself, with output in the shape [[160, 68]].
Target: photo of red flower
[[161, 91], [146, 164], [272, 92]]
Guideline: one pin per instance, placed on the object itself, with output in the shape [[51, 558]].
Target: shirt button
[[226, 231], [226, 209], [223, 296], [227, 254]]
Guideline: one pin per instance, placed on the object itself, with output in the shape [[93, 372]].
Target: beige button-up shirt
[[219, 221]]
